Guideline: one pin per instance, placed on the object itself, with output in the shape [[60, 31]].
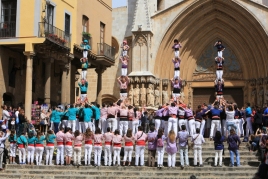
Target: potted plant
[[86, 35]]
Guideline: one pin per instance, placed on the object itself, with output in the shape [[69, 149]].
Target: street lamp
[[77, 75]]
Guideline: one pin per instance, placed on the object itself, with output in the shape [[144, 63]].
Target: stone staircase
[[249, 162]]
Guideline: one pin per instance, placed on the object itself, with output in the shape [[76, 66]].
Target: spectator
[[234, 142]]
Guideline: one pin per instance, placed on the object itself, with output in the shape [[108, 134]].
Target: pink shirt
[[108, 136], [128, 139], [98, 138], [104, 113], [138, 116], [123, 112], [112, 110], [60, 136], [123, 85], [131, 113], [68, 137], [78, 140], [139, 137], [117, 139], [89, 138]]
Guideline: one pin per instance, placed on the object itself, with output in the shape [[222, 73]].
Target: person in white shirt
[[198, 140], [230, 121]]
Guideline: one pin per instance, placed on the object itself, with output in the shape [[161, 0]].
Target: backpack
[[160, 142]]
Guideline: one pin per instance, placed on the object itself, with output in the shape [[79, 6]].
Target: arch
[[116, 45], [204, 22], [107, 98]]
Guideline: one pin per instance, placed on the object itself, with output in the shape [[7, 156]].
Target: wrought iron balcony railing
[[54, 34], [106, 50], [7, 29]]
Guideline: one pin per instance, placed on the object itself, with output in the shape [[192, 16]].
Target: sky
[[119, 3]]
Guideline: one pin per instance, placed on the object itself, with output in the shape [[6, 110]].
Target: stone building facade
[[150, 26]]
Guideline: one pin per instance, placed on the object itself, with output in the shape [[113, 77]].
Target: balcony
[[7, 29], [54, 35], [106, 51]]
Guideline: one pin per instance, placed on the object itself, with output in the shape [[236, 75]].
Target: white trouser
[[197, 124], [183, 122], [49, 154], [30, 157], [191, 125], [77, 155], [172, 124], [157, 123], [72, 124], [107, 155], [60, 155], [166, 128], [160, 155], [39, 154], [64, 123], [219, 74], [220, 54], [12, 150], [176, 96], [123, 96], [80, 126], [97, 155], [84, 74], [241, 123], [51, 125], [68, 150], [83, 97], [135, 125], [177, 53], [88, 151], [171, 160], [88, 125], [202, 128], [214, 123], [116, 155], [177, 74], [124, 53], [223, 127], [237, 124], [102, 125], [218, 153], [128, 153], [198, 154], [22, 155], [123, 126], [85, 52], [249, 126], [112, 123], [124, 71], [139, 153]]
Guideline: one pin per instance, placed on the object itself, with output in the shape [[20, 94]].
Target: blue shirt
[[216, 112], [87, 113], [58, 116], [51, 138], [71, 113], [12, 139], [52, 116], [248, 112], [96, 112], [32, 140], [40, 140], [84, 65], [265, 113], [83, 88], [22, 140]]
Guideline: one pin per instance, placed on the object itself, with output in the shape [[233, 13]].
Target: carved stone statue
[[143, 95], [253, 95], [157, 96], [136, 96], [260, 97], [130, 95], [150, 96], [165, 95]]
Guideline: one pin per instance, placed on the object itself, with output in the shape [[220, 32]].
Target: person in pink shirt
[[117, 144], [128, 138], [108, 137], [60, 146], [141, 139], [130, 116], [173, 120], [123, 82], [135, 121], [88, 136], [111, 118], [78, 139], [98, 137], [103, 118], [68, 138]]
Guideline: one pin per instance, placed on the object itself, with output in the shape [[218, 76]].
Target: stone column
[[28, 88], [48, 82], [66, 84], [99, 71]]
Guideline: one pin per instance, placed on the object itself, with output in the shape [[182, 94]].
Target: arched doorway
[[107, 99], [198, 27]]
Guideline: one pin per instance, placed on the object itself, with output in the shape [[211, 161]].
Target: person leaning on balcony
[[85, 47]]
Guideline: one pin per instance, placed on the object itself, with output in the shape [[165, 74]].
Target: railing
[[106, 50], [54, 34], [7, 29]]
